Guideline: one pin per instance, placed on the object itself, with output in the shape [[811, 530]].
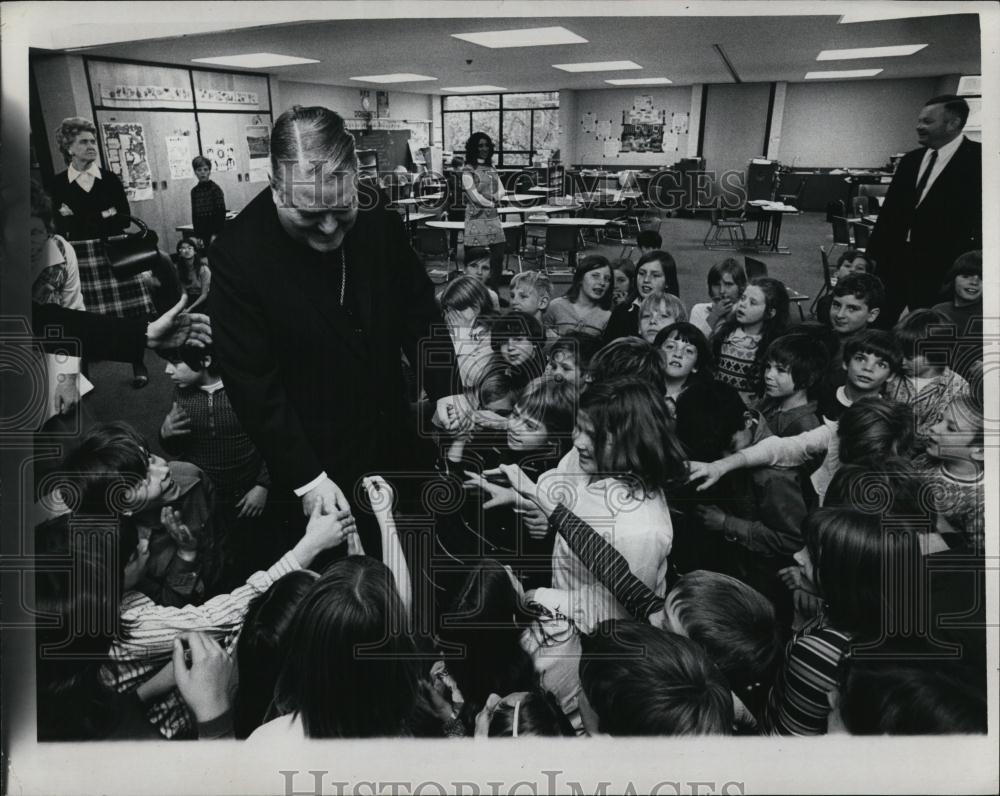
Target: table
[[416, 218], [428, 200], [544, 189], [578, 223], [769, 224], [460, 225], [521, 197], [548, 209]]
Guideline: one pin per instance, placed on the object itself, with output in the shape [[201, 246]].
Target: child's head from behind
[[483, 630], [568, 357], [629, 357], [657, 311], [544, 414], [111, 472], [685, 351], [191, 366], [964, 281], [733, 622], [847, 555], [463, 300], [648, 240], [909, 695], [857, 301], [517, 337], [870, 358], [793, 362], [260, 649], [873, 430], [353, 607], [726, 280], [639, 680], [765, 302], [623, 430], [923, 356], [526, 713], [651, 272], [530, 292], [592, 280], [712, 421]]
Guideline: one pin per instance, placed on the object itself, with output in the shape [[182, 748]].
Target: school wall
[[62, 89], [345, 100], [853, 124], [609, 105]]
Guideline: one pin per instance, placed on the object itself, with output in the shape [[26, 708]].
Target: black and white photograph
[[499, 397]]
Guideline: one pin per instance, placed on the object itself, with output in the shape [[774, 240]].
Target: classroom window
[[521, 125]]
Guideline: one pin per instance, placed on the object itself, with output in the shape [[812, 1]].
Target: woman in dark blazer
[[656, 270], [90, 205]]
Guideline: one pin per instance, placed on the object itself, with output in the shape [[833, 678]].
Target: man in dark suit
[[314, 295], [932, 212]]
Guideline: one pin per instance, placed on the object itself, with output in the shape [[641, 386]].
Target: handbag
[[133, 253]]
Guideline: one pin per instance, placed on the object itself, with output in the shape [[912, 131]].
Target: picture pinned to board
[[131, 166], [222, 154], [179, 155], [259, 147], [642, 138]]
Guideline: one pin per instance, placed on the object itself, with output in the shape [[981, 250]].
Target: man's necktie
[[922, 182]]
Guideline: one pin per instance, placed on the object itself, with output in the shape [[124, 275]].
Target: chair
[[834, 209], [560, 240], [841, 234], [757, 268], [827, 281], [731, 225], [861, 235], [795, 199], [514, 238], [431, 243], [629, 244]]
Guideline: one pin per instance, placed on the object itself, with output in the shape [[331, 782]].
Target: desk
[[545, 209], [769, 224], [545, 190], [416, 218], [522, 197]]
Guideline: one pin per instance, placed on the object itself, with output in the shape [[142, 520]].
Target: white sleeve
[[788, 451]]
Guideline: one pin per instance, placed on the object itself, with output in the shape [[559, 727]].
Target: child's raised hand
[[253, 502], [177, 423], [204, 675], [484, 715], [177, 529], [324, 531], [708, 473], [499, 495]]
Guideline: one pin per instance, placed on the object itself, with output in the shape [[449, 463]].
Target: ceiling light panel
[[401, 77], [598, 66], [255, 60], [892, 51], [640, 81], [842, 74], [526, 37], [473, 89]]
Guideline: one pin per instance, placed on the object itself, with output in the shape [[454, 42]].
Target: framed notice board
[[392, 146]]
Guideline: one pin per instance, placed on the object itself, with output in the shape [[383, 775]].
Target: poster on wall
[[642, 138], [612, 147], [179, 157], [131, 165], [642, 111], [679, 123], [382, 104], [604, 130], [589, 122], [222, 154], [259, 146]]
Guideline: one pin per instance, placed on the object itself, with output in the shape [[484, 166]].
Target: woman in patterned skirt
[[90, 205], [483, 191]]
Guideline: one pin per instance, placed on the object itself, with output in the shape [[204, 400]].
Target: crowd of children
[[700, 481]]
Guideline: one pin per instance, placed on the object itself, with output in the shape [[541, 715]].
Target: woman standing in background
[[90, 205], [483, 191]]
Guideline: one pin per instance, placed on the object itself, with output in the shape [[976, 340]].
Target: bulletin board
[[392, 146]]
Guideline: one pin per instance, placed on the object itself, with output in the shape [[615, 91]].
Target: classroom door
[[237, 144], [168, 142]]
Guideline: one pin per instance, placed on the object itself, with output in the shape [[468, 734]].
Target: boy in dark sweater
[[208, 203]]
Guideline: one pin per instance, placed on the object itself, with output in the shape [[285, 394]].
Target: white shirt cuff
[[311, 485]]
